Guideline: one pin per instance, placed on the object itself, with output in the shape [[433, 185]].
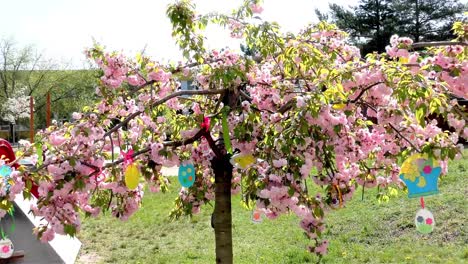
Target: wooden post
[[48, 110], [31, 119]]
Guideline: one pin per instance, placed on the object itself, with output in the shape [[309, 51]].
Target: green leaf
[[452, 153], [39, 153], [5, 205], [337, 128], [318, 212], [69, 230], [421, 114], [29, 185], [26, 194], [79, 184]]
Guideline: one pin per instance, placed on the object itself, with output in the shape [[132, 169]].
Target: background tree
[[16, 107], [300, 114], [372, 22], [70, 91], [23, 70], [427, 20]]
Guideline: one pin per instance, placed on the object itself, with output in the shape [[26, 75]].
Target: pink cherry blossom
[[256, 9], [56, 139]]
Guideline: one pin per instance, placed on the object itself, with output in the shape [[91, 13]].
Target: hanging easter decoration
[[257, 216], [424, 221], [132, 173], [420, 175], [6, 248], [5, 170], [206, 124], [186, 175], [242, 160], [5, 174]]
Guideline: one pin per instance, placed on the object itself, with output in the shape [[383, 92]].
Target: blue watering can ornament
[[420, 174]]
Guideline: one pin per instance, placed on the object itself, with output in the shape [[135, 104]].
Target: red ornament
[[206, 124], [7, 152], [427, 169], [429, 221]]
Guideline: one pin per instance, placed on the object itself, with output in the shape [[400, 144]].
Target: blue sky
[[62, 29]]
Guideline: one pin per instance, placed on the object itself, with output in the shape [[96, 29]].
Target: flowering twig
[[160, 101], [393, 127], [178, 143], [363, 91]]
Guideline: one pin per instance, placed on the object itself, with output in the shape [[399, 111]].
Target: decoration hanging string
[[12, 228], [226, 138], [422, 202], [340, 197]]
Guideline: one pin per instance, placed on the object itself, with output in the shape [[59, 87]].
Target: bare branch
[[287, 106], [460, 112], [403, 137], [363, 91], [212, 144], [394, 128], [244, 94]]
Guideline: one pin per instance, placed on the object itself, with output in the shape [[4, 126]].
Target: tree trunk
[[416, 35], [222, 217]]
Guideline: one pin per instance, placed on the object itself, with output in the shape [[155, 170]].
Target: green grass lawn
[[363, 232]]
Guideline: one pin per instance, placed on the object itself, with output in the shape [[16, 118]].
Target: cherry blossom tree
[[307, 106], [16, 107]]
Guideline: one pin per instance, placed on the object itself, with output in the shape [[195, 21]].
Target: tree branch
[[403, 137], [174, 71], [394, 128], [244, 94], [160, 101], [363, 91], [460, 112], [287, 106], [196, 137], [212, 144]]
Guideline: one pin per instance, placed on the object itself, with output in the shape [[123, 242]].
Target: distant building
[[13, 132], [188, 85]]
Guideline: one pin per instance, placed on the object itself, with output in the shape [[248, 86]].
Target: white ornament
[[6, 248], [424, 221]]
